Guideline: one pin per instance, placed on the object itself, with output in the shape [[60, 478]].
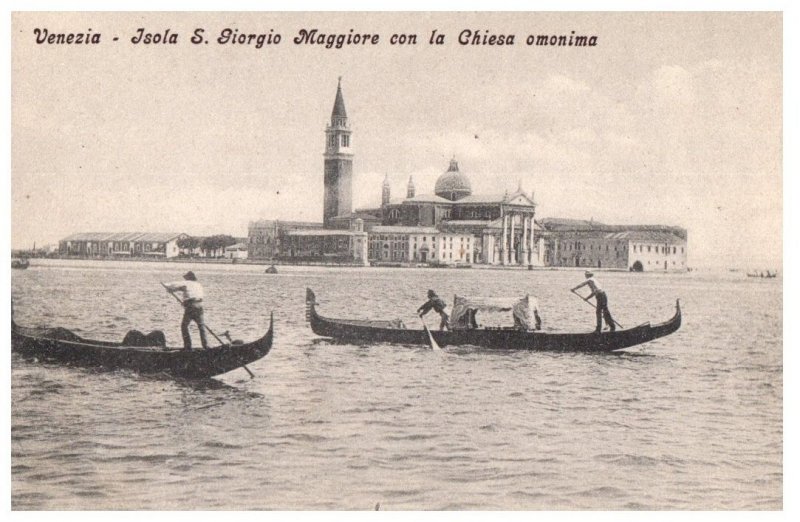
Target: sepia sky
[[671, 119]]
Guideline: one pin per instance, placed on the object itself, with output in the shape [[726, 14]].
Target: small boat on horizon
[[766, 275]]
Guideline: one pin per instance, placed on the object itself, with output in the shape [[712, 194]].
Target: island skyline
[[204, 140]]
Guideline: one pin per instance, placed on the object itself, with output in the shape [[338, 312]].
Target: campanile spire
[[338, 162]]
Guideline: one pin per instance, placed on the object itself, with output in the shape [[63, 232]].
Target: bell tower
[[386, 192], [338, 163]]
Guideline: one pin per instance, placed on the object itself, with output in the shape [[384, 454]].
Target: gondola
[[377, 332], [139, 353], [20, 264]]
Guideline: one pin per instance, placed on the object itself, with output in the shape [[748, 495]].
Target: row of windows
[[403, 245], [577, 245], [443, 213], [395, 237], [477, 214], [117, 245], [659, 263], [403, 256], [658, 249], [332, 140], [589, 262]]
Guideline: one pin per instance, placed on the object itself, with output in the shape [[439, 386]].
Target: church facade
[[451, 226], [502, 226]]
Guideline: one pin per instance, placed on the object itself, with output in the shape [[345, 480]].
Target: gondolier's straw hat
[[190, 276], [588, 274]]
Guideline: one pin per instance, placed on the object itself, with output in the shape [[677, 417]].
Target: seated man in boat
[[434, 302], [526, 313], [601, 300], [192, 307]]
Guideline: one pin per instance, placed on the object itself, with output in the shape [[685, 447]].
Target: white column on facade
[[541, 252], [511, 242], [504, 245], [532, 248], [525, 251]]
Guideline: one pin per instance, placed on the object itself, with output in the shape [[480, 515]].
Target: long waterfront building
[[639, 248], [121, 244]]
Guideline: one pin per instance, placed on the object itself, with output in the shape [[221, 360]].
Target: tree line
[[209, 244]]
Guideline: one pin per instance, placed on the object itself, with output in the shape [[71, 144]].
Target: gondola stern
[[311, 301], [270, 333], [671, 325]]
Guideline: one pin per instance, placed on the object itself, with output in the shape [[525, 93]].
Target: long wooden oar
[[586, 300], [220, 341], [434, 344]]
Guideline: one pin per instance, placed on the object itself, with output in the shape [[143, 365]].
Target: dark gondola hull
[[20, 264], [187, 364], [361, 332]]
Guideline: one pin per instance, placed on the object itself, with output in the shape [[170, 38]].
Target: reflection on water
[[691, 421]]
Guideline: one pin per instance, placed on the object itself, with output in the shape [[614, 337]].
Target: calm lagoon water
[[691, 421]]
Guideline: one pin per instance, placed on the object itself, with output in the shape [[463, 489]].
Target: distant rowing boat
[[377, 332], [766, 275]]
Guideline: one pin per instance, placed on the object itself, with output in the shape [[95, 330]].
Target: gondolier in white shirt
[[601, 301], [192, 307]]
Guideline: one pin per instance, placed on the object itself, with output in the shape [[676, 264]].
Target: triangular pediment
[[520, 199]]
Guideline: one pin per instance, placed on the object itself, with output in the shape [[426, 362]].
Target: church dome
[[453, 184]]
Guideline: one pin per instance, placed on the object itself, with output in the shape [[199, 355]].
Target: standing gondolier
[[192, 307], [434, 302], [602, 301]]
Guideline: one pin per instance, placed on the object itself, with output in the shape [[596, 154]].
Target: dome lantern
[[453, 184]]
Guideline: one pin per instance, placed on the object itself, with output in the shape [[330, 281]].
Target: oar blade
[[434, 345]]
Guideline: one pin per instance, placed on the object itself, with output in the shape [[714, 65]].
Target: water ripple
[[691, 422]]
